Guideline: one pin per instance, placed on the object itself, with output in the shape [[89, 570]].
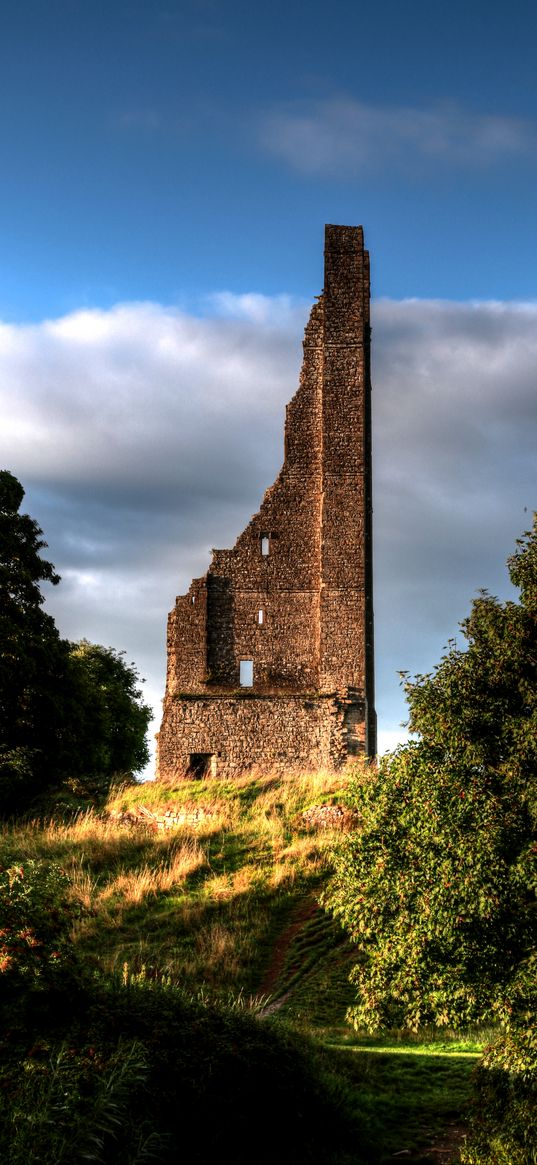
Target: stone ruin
[[270, 654]]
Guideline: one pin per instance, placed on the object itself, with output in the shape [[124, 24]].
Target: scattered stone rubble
[[173, 817], [168, 818], [330, 817]]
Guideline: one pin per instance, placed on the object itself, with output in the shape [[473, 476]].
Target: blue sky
[[166, 173], [139, 162]]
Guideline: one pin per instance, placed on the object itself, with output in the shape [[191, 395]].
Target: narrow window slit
[[265, 545], [246, 673]]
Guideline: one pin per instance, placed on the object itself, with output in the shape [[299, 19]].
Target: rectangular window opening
[[246, 673], [265, 545], [261, 617]]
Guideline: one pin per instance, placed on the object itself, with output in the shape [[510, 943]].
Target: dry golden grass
[[131, 887], [88, 832], [197, 902], [148, 880], [216, 947]]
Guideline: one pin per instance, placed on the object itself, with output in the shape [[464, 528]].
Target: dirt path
[[301, 915], [447, 1148], [447, 1145]]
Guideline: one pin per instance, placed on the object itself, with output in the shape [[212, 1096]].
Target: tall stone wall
[[293, 599]]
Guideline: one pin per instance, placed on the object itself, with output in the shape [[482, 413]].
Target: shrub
[[37, 958]]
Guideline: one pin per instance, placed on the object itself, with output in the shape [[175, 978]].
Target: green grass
[[202, 904], [227, 908], [416, 1091]]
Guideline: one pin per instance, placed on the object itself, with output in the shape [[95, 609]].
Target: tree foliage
[[111, 726], [65, 709], [33, 658], [438, 885]]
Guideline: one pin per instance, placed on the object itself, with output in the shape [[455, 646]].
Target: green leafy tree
[[109, 719], [65, 709], [33, 658], [438, 885]]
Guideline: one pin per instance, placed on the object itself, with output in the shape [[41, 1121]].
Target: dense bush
[[433, 888], [504, 1129], [106, 731], [37, 959]]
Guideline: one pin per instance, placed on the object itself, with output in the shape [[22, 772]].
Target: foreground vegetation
[[437, 887], [186, 991], [202, 904], [158, 953]]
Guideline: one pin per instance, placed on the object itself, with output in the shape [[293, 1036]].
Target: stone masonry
[[270, 654]]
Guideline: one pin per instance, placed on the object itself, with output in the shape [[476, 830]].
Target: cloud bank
[[144, 435]]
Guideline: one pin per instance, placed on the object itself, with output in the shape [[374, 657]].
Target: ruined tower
[[270, 654]]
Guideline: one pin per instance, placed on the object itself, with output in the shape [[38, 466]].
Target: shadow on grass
[[411, 1093], [210, 931]]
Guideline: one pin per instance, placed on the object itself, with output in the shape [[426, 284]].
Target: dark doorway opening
[[200, 766]]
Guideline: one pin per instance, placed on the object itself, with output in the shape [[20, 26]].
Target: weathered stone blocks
[[292, 601]]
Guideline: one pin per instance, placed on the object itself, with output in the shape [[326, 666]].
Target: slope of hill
[[189, 908], [205, 903]]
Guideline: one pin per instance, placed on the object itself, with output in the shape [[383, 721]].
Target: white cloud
[[272, 311], [342, 137], [145, 435], [121, 396]]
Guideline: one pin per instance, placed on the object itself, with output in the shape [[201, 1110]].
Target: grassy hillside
[[222, 910], [225, 904]]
